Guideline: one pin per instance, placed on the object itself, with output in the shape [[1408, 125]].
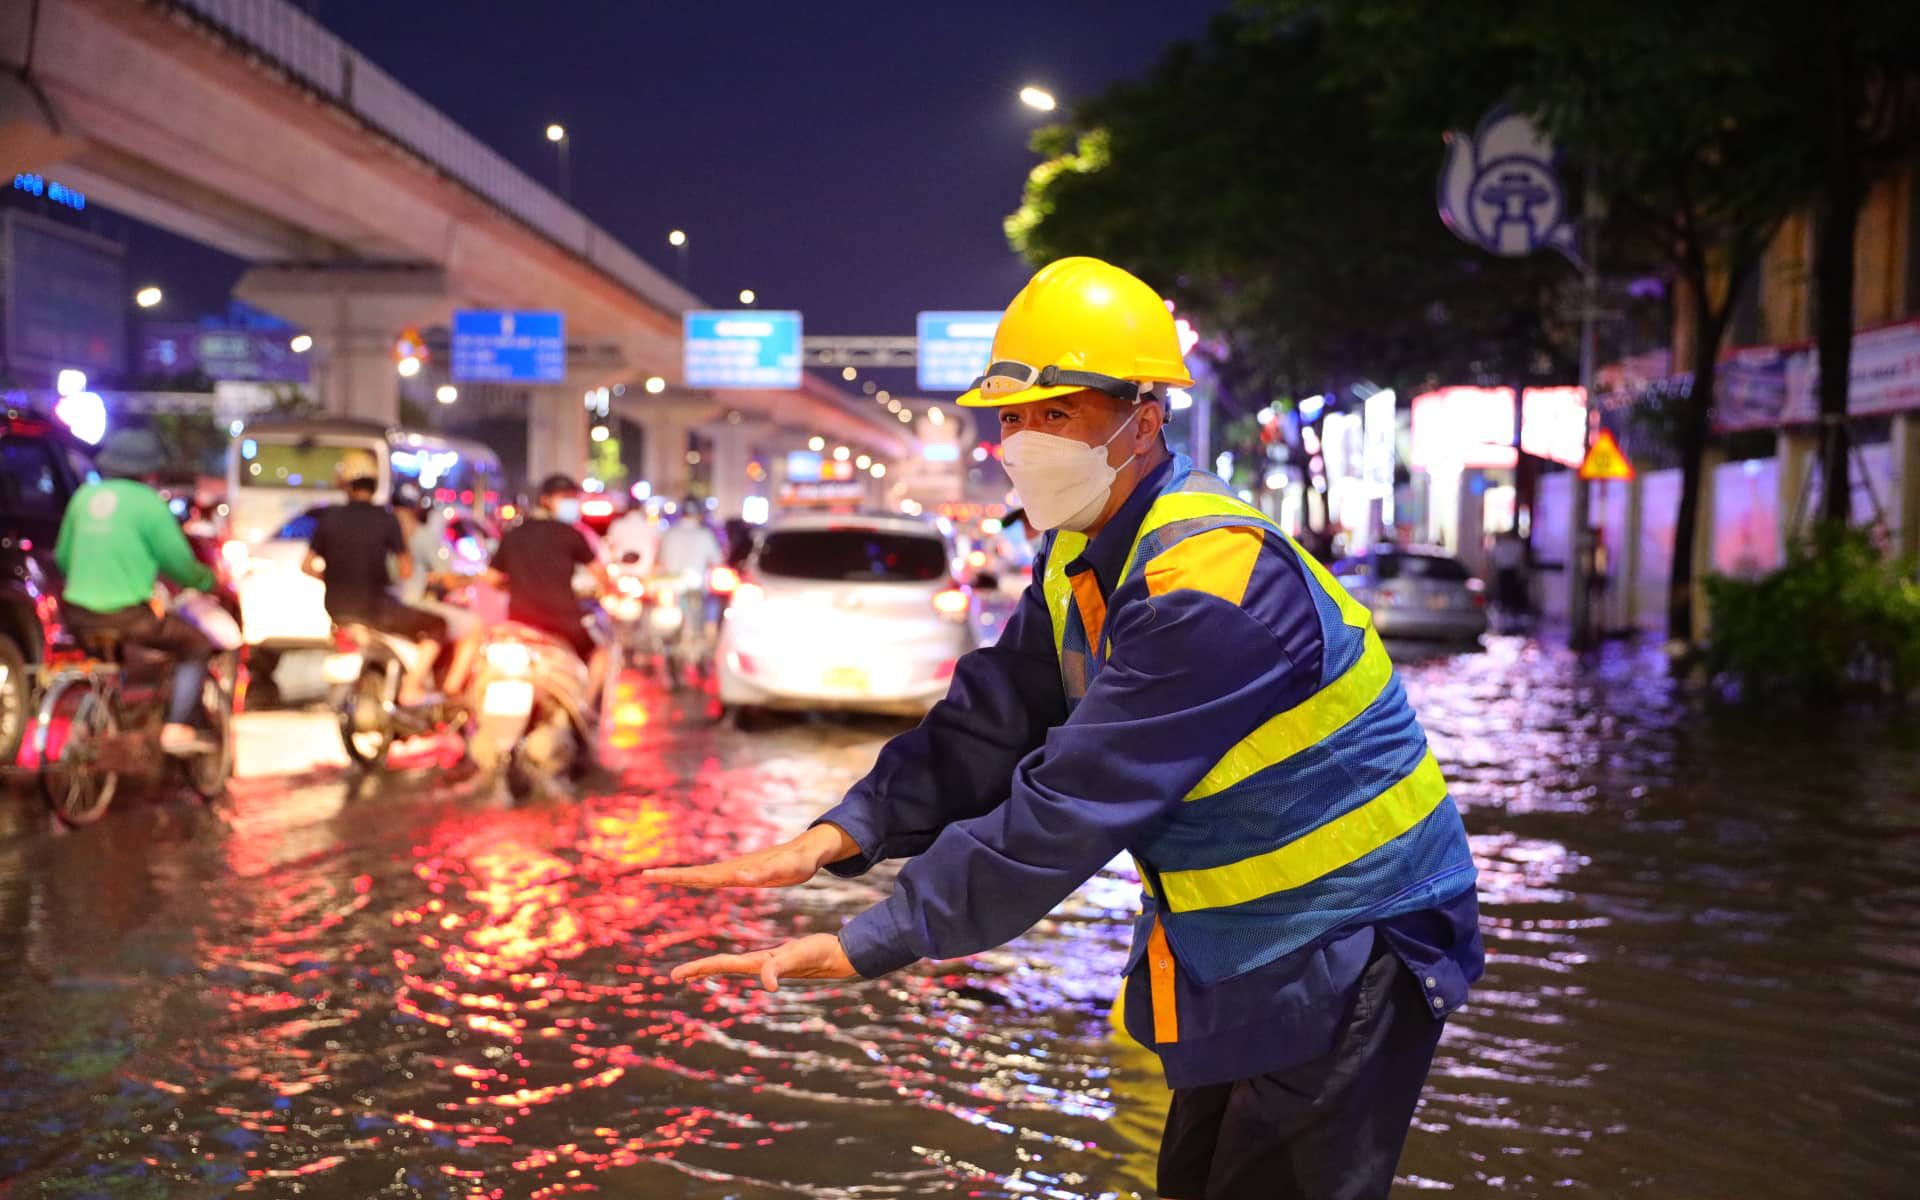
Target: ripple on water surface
[[1700, 968]]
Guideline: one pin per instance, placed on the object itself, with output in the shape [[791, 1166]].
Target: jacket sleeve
[[171, 550], [956, 763], [1189, 675]]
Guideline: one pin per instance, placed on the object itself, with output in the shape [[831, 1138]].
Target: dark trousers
[[138, 626], [1330, 1129]]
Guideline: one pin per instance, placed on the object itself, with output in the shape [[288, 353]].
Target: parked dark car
[[41, 466]]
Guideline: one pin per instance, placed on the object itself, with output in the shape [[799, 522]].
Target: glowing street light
[[906, 416], [849, 374], [301, 343], [863, 462], [557, 134], [655, 385], [446, 393], [678, 240], [936, 416], [147, 296], [408, 367], [841, 454], [816, 443], [601, 433], [747, 296], [1038, 98], [878, 470]]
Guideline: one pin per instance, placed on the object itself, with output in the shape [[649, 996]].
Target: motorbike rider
[[117, 537], [351, 548], [688, 551], [535, 564], [426, 533], [634, 538]]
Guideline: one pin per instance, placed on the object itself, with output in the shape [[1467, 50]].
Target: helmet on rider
[[357, 472]]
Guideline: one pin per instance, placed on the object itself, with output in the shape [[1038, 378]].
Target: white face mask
[[567, 511], [1064, 483]]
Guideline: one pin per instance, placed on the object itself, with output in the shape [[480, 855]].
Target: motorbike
[[530, 700], [364, 673]]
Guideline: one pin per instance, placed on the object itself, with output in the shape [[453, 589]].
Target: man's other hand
[[785, 865], [816, 956]]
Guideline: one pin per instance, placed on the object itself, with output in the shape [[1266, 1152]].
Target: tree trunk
[[1839, 213], [1691, 438]]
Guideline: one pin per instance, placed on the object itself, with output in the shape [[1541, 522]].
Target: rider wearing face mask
[[1182, 681]]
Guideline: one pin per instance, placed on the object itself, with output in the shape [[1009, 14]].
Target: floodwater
[[1704, 964]]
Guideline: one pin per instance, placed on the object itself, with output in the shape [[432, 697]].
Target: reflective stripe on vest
[[1198, 505]]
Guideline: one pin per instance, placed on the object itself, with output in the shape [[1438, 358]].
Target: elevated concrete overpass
[[246, 125]]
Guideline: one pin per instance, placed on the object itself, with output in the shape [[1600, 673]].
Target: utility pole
[[1580, 570]]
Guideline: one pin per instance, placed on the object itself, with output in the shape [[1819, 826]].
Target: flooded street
[[1702, 979]]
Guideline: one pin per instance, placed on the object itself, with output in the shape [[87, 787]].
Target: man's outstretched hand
[[816, 956], [785, 865]]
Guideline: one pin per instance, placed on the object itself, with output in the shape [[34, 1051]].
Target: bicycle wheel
[[75, 785], [208, 774], [366, 726]]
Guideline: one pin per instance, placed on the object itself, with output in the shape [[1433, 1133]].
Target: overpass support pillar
[[666, 453], [354, 315], [556, 434], [29, 140], [730, 454]]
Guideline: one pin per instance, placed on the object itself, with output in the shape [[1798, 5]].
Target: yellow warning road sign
[[1604, 459]]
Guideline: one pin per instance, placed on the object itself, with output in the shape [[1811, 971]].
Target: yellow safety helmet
[[1080, 323], [355, 465]]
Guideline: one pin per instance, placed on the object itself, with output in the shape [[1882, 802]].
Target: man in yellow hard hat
[[1184, 683]]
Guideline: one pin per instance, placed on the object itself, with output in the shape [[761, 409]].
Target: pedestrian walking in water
[[1182, 682]]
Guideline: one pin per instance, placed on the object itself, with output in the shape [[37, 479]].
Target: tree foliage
[[1257, 188]]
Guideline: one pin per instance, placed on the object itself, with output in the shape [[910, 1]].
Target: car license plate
[[507, 698], [341, 668], [1439, 600], [846, 679]]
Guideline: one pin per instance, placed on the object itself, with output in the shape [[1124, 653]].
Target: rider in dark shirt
[[535, 563], [351, 548]]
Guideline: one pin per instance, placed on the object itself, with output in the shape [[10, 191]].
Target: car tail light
[[747, 595], [723, 580], [952, 603], [344, 642], [596, 508]]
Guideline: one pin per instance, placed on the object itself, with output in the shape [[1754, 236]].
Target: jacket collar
[[1107, 553]]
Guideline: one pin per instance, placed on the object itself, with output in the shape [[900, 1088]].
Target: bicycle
[[91, 729]]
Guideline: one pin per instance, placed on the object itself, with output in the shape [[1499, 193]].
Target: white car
[[845, 612]]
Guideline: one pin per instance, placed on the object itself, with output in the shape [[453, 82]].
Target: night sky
[[850, 160]]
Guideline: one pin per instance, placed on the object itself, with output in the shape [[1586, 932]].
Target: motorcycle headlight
[[509, 658]]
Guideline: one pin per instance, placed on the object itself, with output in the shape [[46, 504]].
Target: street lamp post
[[678, 240], [557, 134]]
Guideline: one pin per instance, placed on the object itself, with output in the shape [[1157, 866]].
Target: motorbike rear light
[[596, 508], [747, 595], [344, 642], [952, 603], [509, 658], [723, 580]]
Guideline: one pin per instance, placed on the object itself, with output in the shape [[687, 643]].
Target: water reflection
[[1700, 973]]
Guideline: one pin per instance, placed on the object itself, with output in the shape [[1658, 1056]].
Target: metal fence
[[297, 44]]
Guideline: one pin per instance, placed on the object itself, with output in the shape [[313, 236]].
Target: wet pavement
[[1702, 983]]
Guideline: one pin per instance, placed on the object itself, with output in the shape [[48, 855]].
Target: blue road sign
[[509, 347], [954, 348], [747, 348]]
